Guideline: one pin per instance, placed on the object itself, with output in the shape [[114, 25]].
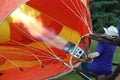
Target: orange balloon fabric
[[7, 7], [33, 50]]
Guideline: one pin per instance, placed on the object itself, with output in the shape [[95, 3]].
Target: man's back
[[103, 63]]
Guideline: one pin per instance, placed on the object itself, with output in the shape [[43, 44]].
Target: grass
[[74, 76]]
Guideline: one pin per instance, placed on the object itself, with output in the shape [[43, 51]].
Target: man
[[103, 56], [118, 27]]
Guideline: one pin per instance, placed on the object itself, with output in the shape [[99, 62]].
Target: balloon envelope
[[32, 47]]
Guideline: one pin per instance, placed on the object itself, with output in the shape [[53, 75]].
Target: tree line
[[104, 13]]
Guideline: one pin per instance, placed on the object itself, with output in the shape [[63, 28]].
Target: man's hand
[[93, 55]]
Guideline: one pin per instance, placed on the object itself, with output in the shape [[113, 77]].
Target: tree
[[104, 13]]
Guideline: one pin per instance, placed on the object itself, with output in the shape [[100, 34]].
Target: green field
[[74, 76]]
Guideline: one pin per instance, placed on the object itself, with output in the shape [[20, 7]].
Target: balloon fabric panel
[[24, 55]]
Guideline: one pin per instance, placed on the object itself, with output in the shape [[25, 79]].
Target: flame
[[35, 27], [31, 24]]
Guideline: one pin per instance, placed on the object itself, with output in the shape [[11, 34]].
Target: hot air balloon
[[42, 39]]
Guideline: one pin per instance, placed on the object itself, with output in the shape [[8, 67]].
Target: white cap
[[111, 31]]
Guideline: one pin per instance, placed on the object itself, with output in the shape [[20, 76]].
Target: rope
[[73, 52]]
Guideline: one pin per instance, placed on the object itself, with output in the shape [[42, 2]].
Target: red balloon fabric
[[33, 37]]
